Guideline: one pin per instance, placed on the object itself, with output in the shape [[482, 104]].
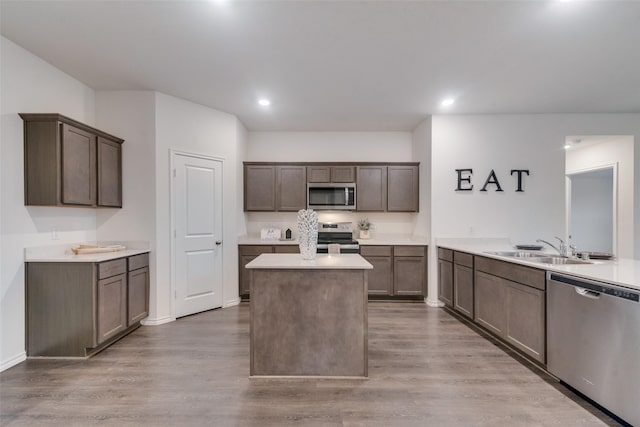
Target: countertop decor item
[[363, 226], [96, 249], [308, 233]]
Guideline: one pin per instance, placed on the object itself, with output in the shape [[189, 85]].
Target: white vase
[[364, 234], [308, 233]]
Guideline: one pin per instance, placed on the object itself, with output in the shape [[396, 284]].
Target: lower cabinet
[[445, 276], [463, 289], [247, 253], [397, 270], [74, 309], [512, 310]]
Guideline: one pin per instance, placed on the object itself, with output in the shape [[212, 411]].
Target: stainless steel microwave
[[331, 196]]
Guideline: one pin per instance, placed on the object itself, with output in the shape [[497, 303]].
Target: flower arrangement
[[364, 224]]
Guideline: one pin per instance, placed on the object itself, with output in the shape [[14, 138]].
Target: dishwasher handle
[[587, 293]]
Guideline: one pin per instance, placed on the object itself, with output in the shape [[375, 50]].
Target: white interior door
[[197, 210]]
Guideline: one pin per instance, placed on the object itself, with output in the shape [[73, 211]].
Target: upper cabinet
[[380, 187], [269, 187], [68, 163], [326, 173], [371, 188]]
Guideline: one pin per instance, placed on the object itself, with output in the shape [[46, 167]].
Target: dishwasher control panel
[[595, 287]]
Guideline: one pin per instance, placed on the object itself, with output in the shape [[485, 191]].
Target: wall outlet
[[54, 234]]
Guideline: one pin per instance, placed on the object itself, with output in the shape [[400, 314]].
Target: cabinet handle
[[218, 242]]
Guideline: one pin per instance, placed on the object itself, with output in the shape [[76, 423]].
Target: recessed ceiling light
[[567, 146], [448, 102], [264, 102]]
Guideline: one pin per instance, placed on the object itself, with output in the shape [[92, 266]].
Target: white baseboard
[[155, 322], [232, 302], [433, 303], [19, 358]]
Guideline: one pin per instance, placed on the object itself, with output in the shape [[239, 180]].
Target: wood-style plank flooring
[[426, 368]]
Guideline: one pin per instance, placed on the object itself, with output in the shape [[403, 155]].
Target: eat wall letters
[[465, 175]]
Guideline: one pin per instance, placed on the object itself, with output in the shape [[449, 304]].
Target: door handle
[[218, 242]]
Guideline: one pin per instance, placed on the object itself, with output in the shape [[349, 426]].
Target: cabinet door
[[525, 327], [490, 300], [112, 306], [138, 295], [343, 174], [445, 282], [109, 173], [402, 189], [292, 188], [78, 154], [259, 188], [318, 174], [248, 253], [463, 290], [380, 280], [371, 190], [408, 275]]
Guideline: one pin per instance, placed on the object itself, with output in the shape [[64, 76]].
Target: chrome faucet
[[562, 249]]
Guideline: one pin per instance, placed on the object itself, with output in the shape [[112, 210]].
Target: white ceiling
[[346, 65]]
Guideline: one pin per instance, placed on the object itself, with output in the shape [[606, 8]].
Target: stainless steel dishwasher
[[593, 341]]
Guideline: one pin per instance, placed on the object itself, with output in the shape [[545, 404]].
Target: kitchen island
[[308, 317]]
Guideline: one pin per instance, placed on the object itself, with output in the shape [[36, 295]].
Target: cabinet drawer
[[138, 261], [463, 259], [375, 250], [445, 254], [287, 249], [255, 249], [111, 268], [409, 251], [529, 276]]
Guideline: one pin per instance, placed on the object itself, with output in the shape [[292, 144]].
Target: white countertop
[[62, 253], [623, 272], [321, 262], [255, 240], [394, 240]]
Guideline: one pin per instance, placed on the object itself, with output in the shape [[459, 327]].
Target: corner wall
[[30, 85]]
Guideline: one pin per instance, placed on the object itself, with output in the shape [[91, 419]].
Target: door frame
[[172, 220], [568, 175]]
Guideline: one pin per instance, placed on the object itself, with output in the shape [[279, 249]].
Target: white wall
[[421, 144], [130, 115], [189, 127], [617, 151], [30, 85], [332, 147], [502, 143], [329, 147]]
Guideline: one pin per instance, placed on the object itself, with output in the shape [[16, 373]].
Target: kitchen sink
[[558, 260], [540, 257], [519, 254]]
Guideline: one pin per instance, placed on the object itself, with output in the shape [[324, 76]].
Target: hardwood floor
[[426, 368]]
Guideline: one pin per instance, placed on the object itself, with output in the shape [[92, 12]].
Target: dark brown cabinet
[[291, 194], [380, 280], [326, 173], [68, 163], [269, 188], [463, 283], [74, 309], [402, 188], [371, 189], [445, 276], [247, 253], [510, 302], [397, 270], [259, 188]]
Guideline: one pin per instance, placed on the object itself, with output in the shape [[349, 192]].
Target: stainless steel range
[[340, 233]]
